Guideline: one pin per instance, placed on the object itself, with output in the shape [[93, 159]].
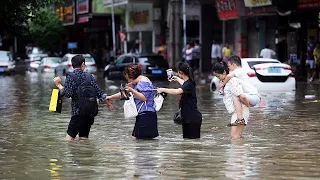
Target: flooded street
[[282, 138]]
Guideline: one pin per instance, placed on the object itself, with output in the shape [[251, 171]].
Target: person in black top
[[192, 118]]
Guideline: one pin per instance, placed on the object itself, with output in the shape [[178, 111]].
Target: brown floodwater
[[282, 138]]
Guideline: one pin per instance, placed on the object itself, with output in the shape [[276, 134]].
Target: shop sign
[[227, 9], [83, 19], [72, 45], [82, 6], [66, 12], [257, 3], [139, 17], [308, 4], [108, 3]]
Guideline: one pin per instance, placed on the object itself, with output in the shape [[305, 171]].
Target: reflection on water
[[281, 139]]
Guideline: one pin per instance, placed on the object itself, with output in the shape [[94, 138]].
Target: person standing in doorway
[[83, 111], [192, 118], [267, 52]]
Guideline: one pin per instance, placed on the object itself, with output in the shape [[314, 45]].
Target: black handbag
[[177, 118]]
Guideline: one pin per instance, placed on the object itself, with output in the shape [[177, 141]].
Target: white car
[[48, 64], [35, 61], [66, 65], [265, 75], [7, 63]]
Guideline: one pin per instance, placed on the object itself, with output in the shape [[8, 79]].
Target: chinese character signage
[[257, 3], [227, 9], [82, 6], [308, 4], [66, 12], [139, 17]]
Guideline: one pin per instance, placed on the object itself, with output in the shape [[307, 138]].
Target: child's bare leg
[[238, 106], [244, 100], [234, 132]]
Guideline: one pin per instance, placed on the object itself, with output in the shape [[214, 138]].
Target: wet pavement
[[281, 140]]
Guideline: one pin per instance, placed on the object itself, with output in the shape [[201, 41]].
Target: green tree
[[46, 29], [14, 14]]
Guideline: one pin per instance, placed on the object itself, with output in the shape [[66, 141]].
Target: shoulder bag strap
[[88, 77]]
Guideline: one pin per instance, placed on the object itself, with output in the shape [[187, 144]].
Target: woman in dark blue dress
[[146, 126]]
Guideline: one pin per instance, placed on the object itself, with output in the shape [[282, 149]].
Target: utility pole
[[113, 29], [175, 32]]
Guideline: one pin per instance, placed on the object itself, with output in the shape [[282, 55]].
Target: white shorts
[[245, 114], [311, 64], [253, 99]]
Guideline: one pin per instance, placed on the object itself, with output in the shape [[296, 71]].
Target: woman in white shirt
[[232, 88]]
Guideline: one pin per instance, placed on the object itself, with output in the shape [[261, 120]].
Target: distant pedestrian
[[226, 52], [196, 52], [214, 52], [189, 55], [267, 52], [192, 118], [316, 55], [84, 105]]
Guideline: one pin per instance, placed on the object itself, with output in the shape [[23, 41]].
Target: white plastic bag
[[158, 101], [129, 107]]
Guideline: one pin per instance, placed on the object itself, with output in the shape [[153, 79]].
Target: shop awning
[[108, 3]]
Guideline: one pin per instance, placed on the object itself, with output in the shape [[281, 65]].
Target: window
[[120, 60], [5, 57], [252, 63], [128, 60]]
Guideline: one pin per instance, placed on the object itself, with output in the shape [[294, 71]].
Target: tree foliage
[[45, 29], [14, 14]]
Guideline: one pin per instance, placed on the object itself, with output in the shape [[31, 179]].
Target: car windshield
[[5, 57], [53, 60], [252, 63], [153, 60], [38, 57], [89, 59]]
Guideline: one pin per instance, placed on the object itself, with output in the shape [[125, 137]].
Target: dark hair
[[77, 60], [133, 71], [268, 46], [187, 70], [234, 60], [220, 67]]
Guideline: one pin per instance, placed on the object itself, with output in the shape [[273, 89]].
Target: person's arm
[[170, 91], [227, 78], [114, 96], [136, 93], [68, 89], [212, 51], [179, 80]]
